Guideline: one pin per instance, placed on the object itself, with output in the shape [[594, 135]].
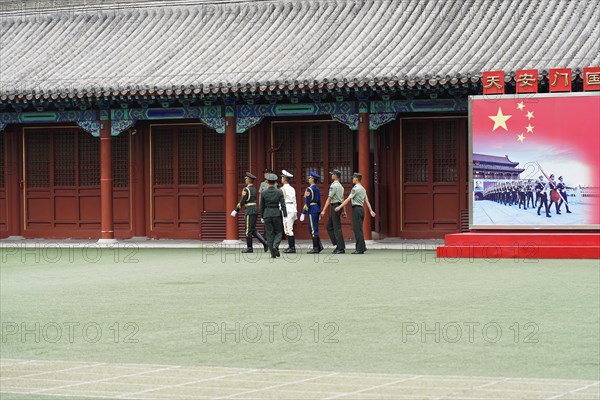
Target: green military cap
[[335, 171], [357, 175], [272, 177], [249, 175]]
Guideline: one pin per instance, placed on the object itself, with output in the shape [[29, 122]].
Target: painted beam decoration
[[535, 161], [87, 120]]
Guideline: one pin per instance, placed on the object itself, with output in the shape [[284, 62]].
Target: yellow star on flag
[[520, 137], [520, 106], [499, 120], [529, 128], [529, 114]]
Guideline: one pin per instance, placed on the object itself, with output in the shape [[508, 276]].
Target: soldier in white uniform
[[289, 194]]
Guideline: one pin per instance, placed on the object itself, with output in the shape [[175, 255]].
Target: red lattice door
[[434, 172]]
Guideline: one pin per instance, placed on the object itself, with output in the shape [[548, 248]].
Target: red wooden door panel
[[433, 169], [62, 184]]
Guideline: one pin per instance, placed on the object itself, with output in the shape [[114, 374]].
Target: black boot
[[315, 248], [292, 245], [568, 211], [248, 248], [320, 245], [262, 240]]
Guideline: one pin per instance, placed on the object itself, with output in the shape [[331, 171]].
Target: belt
[[289, 202], [356, 205], [272, 206], [336, 204], [250, 204]]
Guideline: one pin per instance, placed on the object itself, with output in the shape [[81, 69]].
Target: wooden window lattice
[[285, 140], [242, 156], [64, 159], [444, 152], [416, 150], [213, 145], [341, 151], [188, 156], [38, 160], [163, 156], [120, 160], [1, 160], [89, 160], [312, 150]]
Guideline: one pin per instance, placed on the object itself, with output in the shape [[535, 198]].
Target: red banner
[[591, 78], [527, 81], [493, 82], [559, 80]]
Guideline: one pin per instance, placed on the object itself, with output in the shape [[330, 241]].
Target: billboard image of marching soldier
[[535, 161]]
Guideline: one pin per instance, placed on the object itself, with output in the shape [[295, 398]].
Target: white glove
[[301, 217], [285, 220], [262, 220], [233, 213]]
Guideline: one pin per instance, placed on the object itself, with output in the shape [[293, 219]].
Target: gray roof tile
[[89, 45]]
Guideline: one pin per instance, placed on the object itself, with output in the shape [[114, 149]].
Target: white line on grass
[[277, 386], [214, 378], [51, 372], [102, 380], [558, 396], [337, 396]]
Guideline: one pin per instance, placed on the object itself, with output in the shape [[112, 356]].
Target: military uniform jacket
[[539, 187], [290, 198], [271, 202], [312, 200], [249, 200]]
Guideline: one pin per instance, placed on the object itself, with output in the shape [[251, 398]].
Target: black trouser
[[274, 229], [562, 200], [334, 227], [529, 202], [252, 231], [543, 202], [358, 216]]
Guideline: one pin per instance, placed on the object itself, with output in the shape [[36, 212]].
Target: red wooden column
[[137, 169], [230, 174], [13, 184], [364, 161], [107, 234]]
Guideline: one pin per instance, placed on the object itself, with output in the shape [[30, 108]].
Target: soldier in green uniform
[[265, 184], [334, 225], [272, 204], [358, 196], [248, 200]]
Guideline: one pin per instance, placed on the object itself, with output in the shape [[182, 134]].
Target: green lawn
[[355, 313]]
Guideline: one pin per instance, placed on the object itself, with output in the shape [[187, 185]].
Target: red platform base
[[520, 245]]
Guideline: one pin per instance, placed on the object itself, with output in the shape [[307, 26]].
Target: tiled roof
[[87, 47], [485, 158]]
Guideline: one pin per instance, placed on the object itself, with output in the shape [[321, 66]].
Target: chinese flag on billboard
[[520, 141]]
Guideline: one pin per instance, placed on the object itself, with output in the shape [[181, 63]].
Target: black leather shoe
[[277, 253], [358, 252], [569, 212], [290, 250], [266, 246], [248, 250], [339, 251]]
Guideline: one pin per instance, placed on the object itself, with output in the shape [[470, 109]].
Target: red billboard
[[535, 161]]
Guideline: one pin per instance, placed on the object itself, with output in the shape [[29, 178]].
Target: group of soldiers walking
[[279, 211], [521, 193]]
